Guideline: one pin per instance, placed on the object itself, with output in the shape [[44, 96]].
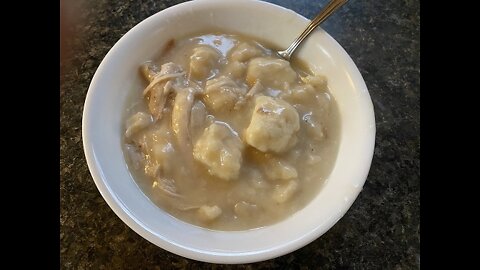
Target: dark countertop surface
[[382, 228]]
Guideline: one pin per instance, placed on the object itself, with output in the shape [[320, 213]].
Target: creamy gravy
[[228, 136]]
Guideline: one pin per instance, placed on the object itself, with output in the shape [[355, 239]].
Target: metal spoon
[[321, 17]]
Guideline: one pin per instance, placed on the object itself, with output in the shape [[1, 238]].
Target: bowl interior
[[118, 74]]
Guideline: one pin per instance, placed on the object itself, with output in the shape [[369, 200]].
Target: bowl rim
[[215, 257]]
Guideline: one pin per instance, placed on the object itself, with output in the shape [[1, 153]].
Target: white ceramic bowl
[[118, 74]]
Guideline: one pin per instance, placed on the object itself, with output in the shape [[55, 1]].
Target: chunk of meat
[[271, 72], [245, 51], [151, 71], [283, 193], [220, 150], [160, 85], [181, 114], [208, 213], [167, 186], [203, 60], [222, 93], [137, 122], [198, 119], [273, 126], [158, 98]]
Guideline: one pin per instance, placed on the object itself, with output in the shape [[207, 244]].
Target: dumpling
[[283, 193], [279, 170], [222, 93], [236, 69], [272, 72], [244, 52], [220, 150], [162, 152], [208, 213], [273, 125], [203, 60], [317, 81], [299, 94], [273, 167]]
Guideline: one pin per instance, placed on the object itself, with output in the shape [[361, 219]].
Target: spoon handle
[[322, 16]]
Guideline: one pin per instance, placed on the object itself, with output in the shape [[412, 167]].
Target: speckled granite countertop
[[380, 231]]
